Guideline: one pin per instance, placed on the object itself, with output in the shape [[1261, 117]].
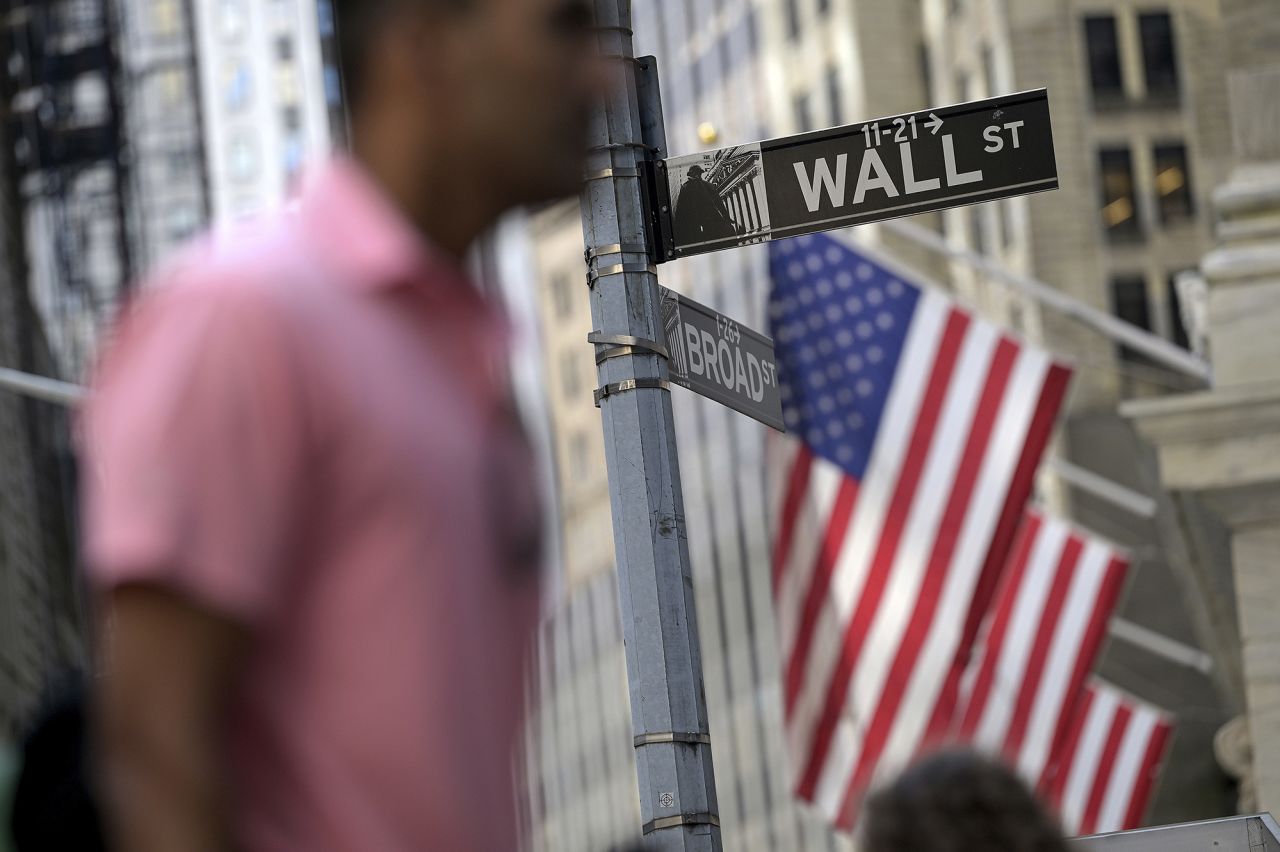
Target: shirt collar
[[371, 242]]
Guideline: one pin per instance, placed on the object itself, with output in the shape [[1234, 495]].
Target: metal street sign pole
[[660, 629]]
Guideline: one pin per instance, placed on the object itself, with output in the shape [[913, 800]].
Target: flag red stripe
[[977, 701], [1151, 758], [1108, 594], [1041, 427], [936, 574], [797, 485], [819, 585], [1102, 775], [887, 546], [1033, 673], [1095, 632], [1054, 783]]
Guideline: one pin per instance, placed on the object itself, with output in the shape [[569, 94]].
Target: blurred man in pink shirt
[[310, 514]]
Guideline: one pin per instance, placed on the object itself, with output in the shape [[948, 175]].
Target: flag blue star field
[[914, 433]]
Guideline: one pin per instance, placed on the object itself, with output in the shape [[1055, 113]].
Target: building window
[[579, 455], [1173, 184], [1129, 303], [284, 49], [164, 17], [1159, 59], [1104, 57], [292, 118], [793, 19], [332, 86], [833, 96], [181, 221], [1004, 216], [242, 158], [324, 18], [1177, 325], [989, 71], [237, 85], [231, 19], [824, 6], [287, 87], [977, 234], [800, 106], [173, 86], [562, 294], [569, 373], [1119, 206], [295, 152]]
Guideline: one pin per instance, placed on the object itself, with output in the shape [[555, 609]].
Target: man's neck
[[437, 194]]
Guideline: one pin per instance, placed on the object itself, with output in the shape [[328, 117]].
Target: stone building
[[1217, 449], [1137, 96]]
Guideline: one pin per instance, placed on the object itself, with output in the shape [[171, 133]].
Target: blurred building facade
[[130, 126], [1137, 94]]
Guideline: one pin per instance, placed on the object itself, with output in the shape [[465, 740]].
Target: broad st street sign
[[882, 169], [720, 359]]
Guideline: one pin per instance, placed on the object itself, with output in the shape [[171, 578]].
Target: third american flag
[[916, 430]]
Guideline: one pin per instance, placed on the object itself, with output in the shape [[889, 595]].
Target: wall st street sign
[[882, 169], [720, 359]]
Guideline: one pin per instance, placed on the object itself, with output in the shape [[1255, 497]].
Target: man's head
[[497, 90], [695, 173], [958, 801]]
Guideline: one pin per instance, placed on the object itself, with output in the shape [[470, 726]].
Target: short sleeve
[[194, 449]]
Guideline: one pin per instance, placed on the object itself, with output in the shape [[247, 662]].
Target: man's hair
[[959, 801], [360, 22]]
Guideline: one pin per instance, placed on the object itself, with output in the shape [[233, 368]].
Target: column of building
[[1221, 448]]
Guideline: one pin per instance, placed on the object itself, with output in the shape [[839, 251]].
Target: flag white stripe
[[806, 542], [1028, 613], [929, 675], [893, 617], [1078, 612], [883, 468], [1084, 769], [1124, 772]]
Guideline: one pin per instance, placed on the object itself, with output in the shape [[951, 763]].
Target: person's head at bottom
[[958, 801]]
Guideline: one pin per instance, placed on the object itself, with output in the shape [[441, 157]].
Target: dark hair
[[359, 22], [958, 801]]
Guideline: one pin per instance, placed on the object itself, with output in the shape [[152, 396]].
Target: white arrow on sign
[[934, 124]]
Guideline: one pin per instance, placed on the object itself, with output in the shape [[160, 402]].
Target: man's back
[[309, 435]]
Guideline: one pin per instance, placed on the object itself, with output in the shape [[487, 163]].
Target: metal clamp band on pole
[[681, 819], [627, 340], [618, 146], [596, 252], [630, 385], [594, 275], [672, 737], [623, 30], [621, 171]]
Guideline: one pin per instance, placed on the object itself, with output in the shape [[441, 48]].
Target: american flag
[[917, 429], [1041, 639], [1105, 772]]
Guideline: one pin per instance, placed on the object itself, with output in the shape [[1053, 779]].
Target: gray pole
[[660, 630]]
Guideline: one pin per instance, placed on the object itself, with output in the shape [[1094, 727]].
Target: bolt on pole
[[660, 628]]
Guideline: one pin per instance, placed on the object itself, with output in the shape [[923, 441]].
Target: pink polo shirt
[[308, 429]]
